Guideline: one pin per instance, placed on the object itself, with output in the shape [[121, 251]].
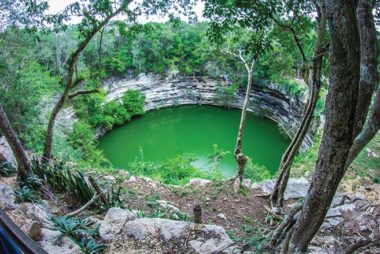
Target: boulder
[[114, 222], [52, 242], [35, 231], [153, 235], [297, 187], [247, 183]]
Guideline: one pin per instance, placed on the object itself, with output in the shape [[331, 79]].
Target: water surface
[[193, 130]]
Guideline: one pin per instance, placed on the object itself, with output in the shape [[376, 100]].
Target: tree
[[314, 84], [290, 16], [247, 52], [340, 141], [24, 167], [96, 15]]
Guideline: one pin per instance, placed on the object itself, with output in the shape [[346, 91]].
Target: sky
[[59, 5]]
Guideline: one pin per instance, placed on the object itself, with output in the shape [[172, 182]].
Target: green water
[[166, 133]]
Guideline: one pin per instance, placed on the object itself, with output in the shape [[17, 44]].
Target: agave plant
[[62, 179], [7, 169], [26, 194], [90, 246]]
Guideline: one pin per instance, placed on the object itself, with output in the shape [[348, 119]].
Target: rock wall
[[269, 100]]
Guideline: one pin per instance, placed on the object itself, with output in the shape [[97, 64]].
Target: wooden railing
[[24, 243]]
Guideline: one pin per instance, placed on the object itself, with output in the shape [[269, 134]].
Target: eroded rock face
[[52, 242], [152, 235], [6, 153], [7, 199], [114, 222], [37, 212], [267, 100]]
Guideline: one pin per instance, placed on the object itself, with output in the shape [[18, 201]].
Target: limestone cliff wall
[[270, 100]]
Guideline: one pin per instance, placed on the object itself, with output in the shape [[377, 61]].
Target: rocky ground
[[158, 218]]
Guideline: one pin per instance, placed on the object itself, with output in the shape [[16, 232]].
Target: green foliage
[[176, 171], [113, 198], [90, 246], [26, 194], [226, 94], [7, 169], [94, 112], [83, 139], [256, 173], [63, 179], [134, 102], [80, 231]]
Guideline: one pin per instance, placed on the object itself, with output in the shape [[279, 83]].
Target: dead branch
[[92, 200], [98, 190]]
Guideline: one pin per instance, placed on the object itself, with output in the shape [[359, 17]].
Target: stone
[[222, 216], [337, 211], [169, 236], [35, 231], [198, 182], [297, 187], [7, 200], [247, 183], [109, 179], [132, 179], [52, 242], [114, 222]]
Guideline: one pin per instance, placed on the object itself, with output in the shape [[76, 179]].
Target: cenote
[[193, 131]]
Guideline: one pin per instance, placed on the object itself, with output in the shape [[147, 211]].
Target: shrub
[[226, 94], [83, 138], [176, 171], [133, 102], [256, 173], [115, 114]]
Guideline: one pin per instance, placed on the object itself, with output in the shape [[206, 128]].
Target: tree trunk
[[70, 84], [24, 167], [338, 133], [240, 158], [368, 61], [100, 53], [277, 196], [371, 127], [368, 75], [47, 155]]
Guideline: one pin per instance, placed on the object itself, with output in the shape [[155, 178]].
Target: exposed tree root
[[285, 227]]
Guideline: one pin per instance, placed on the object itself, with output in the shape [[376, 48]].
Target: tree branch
[[83, 92]]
